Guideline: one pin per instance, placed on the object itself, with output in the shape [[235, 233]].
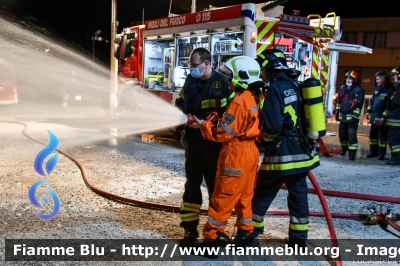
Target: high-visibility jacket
[[380, 101], [350, 102], [280, 124]]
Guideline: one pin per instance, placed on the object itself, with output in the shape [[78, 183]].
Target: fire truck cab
[[156, 55]]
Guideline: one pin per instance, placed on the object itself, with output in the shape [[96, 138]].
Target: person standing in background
[[393, 120], [348, 108], [377, 112]]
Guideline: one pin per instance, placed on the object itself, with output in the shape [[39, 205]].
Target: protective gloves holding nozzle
[[194, 122]]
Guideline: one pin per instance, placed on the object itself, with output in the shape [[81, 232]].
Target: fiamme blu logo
[[38, 166]]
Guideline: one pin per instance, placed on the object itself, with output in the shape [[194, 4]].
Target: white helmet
[[245, 70]]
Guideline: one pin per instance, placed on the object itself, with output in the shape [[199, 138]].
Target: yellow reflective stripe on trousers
[[289, 166], [298, 227], [188, 217], [353, 147], [257, 224], [186, 206]]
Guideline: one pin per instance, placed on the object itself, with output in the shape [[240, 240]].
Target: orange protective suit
[[238, 130]]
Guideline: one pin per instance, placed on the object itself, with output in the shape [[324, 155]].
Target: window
[[375, 39], [350, 37]]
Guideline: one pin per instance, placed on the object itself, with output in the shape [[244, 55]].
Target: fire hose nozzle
[[211, 116], [190, 119], [372, 219]]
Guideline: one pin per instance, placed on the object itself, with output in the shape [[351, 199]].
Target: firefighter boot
[[211, 245], [352, 155], [241, 238], [252, 240], [293, 242], [373, 151], [189, 236], [395, 159], [343, 151], [382, 153]]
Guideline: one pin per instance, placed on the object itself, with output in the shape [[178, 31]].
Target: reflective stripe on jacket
[[279, 116]]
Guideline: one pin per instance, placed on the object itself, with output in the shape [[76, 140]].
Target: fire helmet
[[395, 70], [245, 70], [351, 74], [273, 59]]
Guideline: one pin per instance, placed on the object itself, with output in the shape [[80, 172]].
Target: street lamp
[[95, 38]]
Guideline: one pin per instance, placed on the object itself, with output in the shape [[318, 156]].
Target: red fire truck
[[156, 55]]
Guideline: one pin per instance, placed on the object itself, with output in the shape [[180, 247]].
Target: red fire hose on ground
[[316, 190], [327, 213], [351, 195], [326, 150]]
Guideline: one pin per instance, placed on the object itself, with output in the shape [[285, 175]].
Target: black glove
[[177, 134], [337, 116]]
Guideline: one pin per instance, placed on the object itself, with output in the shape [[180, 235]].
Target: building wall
[[385, 56]]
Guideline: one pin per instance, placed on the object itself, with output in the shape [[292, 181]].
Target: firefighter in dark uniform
[[393, 120], [377, 112], [284, 161], [204, 91], [348, 108]]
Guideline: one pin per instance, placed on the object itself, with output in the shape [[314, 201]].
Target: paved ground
[[154, 172]]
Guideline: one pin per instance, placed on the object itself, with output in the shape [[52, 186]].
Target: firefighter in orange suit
[[238, 130]]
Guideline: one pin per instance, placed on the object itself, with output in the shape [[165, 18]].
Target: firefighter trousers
[[201, 161], [394, 143], [348, 137], [234, 188], [266, 189], [378, 140]]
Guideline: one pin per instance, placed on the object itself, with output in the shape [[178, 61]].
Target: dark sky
[[79, 19]]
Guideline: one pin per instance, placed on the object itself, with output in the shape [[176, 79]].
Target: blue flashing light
[[247, 13]]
